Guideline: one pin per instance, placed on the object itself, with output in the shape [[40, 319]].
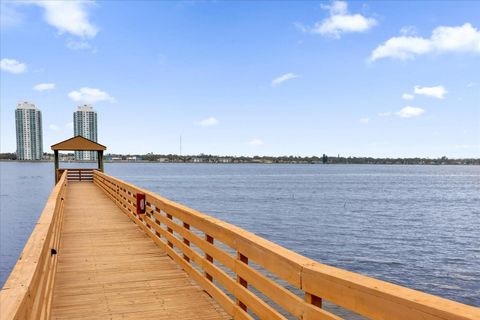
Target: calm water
[[417, 226]]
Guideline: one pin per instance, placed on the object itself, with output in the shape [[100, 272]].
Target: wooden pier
[[92, 256], [109, 268]]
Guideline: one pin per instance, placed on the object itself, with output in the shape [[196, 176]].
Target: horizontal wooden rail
[[28, 291], [77, 174], [234, 266]]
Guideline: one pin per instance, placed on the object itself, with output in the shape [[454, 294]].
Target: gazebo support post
[[100, 160], [56, 165]]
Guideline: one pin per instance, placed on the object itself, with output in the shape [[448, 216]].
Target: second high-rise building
[[85, 125]]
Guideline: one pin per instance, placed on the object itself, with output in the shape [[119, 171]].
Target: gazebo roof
[[78, 143]]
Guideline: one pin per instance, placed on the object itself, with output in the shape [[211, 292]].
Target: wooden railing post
[[57, 176], [156, 232], [313, 299], [186, 226], [243, 282], [169, 216], [209, 258]]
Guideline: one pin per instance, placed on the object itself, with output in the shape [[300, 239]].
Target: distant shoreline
[[455, 162]]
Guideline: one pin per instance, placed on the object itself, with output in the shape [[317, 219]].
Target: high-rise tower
[[85, 125], [28, 122]]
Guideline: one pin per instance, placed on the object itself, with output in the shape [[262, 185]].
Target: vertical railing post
[[100, 160], [313, 299], [118, 194], [186, 226], [243, 282], [157, 222], [56, 166], [209, 258], [169, 216]]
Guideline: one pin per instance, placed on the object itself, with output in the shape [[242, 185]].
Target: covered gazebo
[[77, 143]]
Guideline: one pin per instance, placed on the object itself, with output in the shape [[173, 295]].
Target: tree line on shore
[[207, 158]]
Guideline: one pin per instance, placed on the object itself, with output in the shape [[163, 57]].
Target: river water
[[417, 226]]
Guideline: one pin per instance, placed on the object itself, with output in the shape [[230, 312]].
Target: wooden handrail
[[28, 291], [77, 174], [209, 249]]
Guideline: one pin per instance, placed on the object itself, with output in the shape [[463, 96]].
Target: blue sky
[[379, 78]]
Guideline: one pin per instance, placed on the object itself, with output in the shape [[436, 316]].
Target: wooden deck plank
[[109, 269]]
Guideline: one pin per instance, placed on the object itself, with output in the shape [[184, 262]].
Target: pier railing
[[28, 291], [76, 174], [252, 277]]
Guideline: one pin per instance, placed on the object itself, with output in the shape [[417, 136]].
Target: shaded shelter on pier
[[78, 143]]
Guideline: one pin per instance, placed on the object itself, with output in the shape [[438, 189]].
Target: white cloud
[[69, 17], [336, 7], [434, 92], [364, 120], [465, 38], [402, 48], [283, 78], [54, 127], [208, 122], [408, 96], [90, 95], [471, 84], [410, 112], [44, 86], [255, 142], [340, 21], [12, 66]]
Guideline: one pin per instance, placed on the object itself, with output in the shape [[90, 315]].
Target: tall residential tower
[[28, 122], [85, 125]]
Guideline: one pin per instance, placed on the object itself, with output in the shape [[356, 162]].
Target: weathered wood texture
[[109, 269], [219, 257], [27, 293]]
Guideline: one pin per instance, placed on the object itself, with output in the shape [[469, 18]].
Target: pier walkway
[[108, 268]]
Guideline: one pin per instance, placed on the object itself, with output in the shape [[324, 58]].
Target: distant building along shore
[[172, 158], [199, 159], [28, 122], [85, 125], [29, 134]]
